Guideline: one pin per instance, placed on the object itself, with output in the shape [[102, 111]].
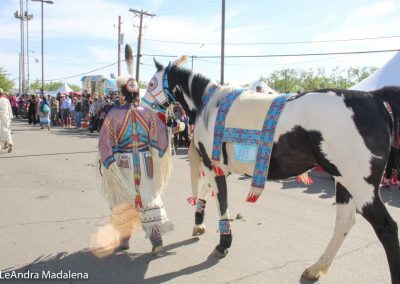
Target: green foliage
[[143, 85], [291, 80], [76, 88], [36, 86], [52, 86], [5, 83]]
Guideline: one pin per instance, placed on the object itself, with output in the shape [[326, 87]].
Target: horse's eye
[[152, 84]]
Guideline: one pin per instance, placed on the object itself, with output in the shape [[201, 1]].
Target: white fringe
[[114, 186], [162, 168], [164, 228]]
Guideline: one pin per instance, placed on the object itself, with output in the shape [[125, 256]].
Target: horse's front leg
[[225, 235], [199, 228]]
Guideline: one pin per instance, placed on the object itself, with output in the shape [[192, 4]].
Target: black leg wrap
[[199, 215], [225, 242], [199, 218]]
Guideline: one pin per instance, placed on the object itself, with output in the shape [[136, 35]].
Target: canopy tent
[[387, 75], [264, 87], [63, 89]]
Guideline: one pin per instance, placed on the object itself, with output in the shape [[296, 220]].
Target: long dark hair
[[130, 97]]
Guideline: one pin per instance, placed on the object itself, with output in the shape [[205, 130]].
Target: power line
[[201, 58], [282, 55], [273, 43], [70, 77]]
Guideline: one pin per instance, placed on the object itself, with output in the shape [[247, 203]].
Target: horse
[[345, 132]]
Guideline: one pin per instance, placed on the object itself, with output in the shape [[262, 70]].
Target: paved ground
[[50, 206]]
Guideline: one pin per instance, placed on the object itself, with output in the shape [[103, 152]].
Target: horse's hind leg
[[345, 219], [386, 230], [199, 228]]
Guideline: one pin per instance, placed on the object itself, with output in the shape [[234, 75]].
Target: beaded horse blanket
[[250, 145]]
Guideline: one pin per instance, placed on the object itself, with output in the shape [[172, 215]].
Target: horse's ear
[[129, 59], [159, 66], [180, 60]]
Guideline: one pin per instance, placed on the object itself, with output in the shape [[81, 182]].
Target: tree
[[52, 86], [36, 86], [74, 87], [5, 83], [290, 80], [283, 81], [143, 85]]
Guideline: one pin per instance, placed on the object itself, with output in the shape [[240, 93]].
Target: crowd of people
[[65, 110], [86, 111]]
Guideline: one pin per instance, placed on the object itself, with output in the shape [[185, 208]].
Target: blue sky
[[81, 35]]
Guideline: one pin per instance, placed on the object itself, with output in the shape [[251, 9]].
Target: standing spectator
[[37, 98], [181, 116], [78, 111], [21, 106], [108, 105], [44, 113], [5, 122], [72, 109], [86, 101], [93, 116], [55, 108], [65, 113], [32, 110], [14, 105]]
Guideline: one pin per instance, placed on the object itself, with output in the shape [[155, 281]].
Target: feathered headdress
[[127, 84]]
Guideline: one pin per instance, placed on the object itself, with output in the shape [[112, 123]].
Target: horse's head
[[160, 93]]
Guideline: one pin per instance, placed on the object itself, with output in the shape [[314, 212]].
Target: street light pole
[[47, 2], [23, 16]]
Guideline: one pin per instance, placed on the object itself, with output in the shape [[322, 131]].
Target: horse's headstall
[[170, 96]]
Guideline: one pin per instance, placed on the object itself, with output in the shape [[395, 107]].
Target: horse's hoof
[[199, 230], [217, 254], [308, 275]]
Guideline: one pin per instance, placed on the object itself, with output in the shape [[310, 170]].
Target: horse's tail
[[391, 95], [195, 167]]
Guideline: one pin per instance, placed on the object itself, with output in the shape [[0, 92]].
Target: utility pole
[[20, 16], [47, 2], [119, 45], [139, 45], [28, 18], [223, 43]]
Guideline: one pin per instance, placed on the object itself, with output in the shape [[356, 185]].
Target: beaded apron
[[262, 138]]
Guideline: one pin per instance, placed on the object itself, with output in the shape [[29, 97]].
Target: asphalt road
[[50, 206]]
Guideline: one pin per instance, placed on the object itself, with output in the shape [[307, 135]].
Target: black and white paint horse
[[347, 133]]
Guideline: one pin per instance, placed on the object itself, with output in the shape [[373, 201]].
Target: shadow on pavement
[[391, 196], [121, 267]]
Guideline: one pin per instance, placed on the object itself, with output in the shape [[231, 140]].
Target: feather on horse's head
[[180, 60]]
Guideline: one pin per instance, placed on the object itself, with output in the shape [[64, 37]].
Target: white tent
[[264, 87], [63, 89], [387, 75]]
